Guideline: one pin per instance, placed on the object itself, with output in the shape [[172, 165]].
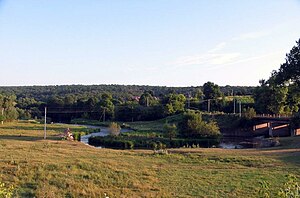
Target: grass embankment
[[56, 168]]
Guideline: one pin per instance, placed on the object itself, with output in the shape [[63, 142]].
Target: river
[[226, 143], [103, 131]]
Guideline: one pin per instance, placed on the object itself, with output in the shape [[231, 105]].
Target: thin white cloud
[[273, 55], [254, 58], [212, 57], [207, 59], [139, 69], [216, 57], [218, 47], [251, 35]]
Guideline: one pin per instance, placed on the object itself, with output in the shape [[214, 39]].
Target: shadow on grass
[[41, 128], [22, 128], [291, 158], [26, 138]]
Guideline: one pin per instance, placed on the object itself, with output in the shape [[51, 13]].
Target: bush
[[170, 130], [125, 142], [153, 145], [250, 113], [114, 129], [192, 125], [111, 142]]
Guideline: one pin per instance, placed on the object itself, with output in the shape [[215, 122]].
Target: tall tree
[[147, 99], [270, 98], [7, 104], [174, 103], [289, 72], [211, 90], [106, 106]]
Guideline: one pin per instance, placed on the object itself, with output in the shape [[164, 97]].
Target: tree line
[[124, 106]]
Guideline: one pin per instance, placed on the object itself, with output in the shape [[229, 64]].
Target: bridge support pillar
[[293, 132]]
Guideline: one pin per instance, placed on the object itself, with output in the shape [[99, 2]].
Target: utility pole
[[208, 105], [147, 101], [189, 100], [2, 113], [131, 113], [240, 107], [233, 105], [104, 115], [45, 127]]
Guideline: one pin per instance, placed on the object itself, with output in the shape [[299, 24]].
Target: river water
[[103, 131], [226, 143]]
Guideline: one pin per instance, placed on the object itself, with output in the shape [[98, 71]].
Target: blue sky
[[144, 42]]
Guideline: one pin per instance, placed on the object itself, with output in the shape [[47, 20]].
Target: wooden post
[[104, 114], [208, 105], [45, 126], [240, 107], [2, 113]]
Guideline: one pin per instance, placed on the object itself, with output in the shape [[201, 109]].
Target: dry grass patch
[[52, 167]]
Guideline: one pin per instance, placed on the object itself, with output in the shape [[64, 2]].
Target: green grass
[[56, 168], [154, 126], [141, 126]]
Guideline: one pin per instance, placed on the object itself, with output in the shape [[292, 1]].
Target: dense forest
[[117, 102], [125, 92]]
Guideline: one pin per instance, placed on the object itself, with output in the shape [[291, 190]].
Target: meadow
[[59, 168]]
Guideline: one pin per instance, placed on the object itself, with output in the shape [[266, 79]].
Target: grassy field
[[56, 168]]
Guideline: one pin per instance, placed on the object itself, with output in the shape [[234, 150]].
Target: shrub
[[77, 136], [125, 142], [114, 129], [192, 125], [170, 130], [250, 113], [153, 145]]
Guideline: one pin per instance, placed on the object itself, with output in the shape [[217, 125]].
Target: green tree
[[270, 98], [147, 99], [293, 98], [69, 100], [170, 130], [174, 103], [192, 125], [285, 83], [289, 72], [8, 103], [211, 91], [199, 94], [106, 106]]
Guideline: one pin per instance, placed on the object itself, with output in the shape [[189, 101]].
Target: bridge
[[274, 126]]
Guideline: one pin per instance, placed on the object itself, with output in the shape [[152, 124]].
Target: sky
[[144, 42]]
